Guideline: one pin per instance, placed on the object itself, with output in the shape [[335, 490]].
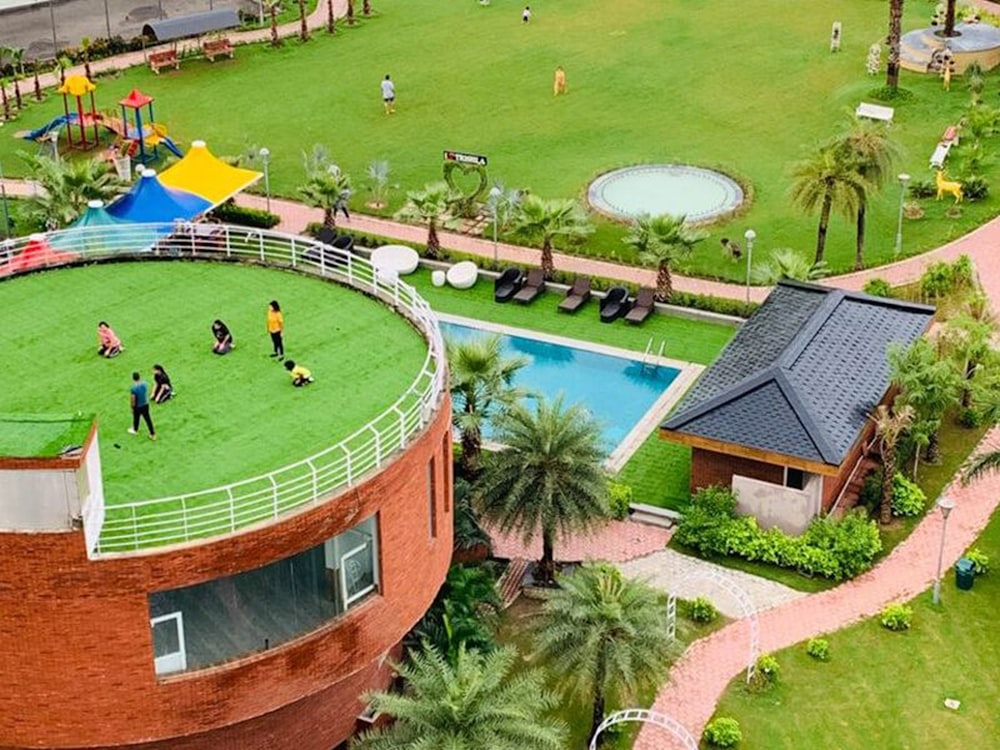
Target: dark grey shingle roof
[[802, 374], [191, 25]]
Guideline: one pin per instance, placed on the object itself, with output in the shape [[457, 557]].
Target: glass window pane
[[166, 638]]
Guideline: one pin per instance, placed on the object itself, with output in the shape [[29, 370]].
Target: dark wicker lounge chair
[[615, 304], [576, 296], [533, 286], [507, 284], [645, 303], [326, 235]]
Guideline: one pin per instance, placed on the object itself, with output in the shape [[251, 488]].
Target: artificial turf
[[42, 435], [234, 416]]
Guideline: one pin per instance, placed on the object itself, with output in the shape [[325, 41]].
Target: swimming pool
[[615, 387]]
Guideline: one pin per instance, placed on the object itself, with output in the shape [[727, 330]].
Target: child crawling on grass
[[111, 345], [300, 375]]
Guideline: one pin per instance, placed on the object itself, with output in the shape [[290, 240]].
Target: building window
[[227, 618], [431, 495], [445, 446], [795, 478]]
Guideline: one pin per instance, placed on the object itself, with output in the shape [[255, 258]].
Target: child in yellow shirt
[[300, 375]]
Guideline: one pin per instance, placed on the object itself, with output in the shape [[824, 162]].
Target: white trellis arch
[[647, 717], [728, 585]]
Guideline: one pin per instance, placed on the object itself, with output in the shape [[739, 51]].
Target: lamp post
[[946, 504], [107, 18], [265, 156], [749, 236], [495, 194], [52, 17], [6, 209], [903, 179]]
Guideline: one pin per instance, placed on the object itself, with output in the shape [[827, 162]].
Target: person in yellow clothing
[[300, 375], [276, 327]]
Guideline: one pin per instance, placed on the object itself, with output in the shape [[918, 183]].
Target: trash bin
[[964, 574]]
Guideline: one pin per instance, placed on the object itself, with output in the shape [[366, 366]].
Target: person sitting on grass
[[111, 345], [162, 388], [300, 375], [223, 338]]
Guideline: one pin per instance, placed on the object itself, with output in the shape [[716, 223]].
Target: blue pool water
[[615, 390]]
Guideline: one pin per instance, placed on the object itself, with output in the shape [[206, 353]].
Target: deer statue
[[947, 186]]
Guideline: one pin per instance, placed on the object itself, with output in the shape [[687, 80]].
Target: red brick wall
[[76, 668], [709, 467]]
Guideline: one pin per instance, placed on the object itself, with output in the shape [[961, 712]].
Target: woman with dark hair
[[275, 327], [162, 388], [223, 338]]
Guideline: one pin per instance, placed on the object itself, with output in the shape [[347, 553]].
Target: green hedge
[[230, 213]]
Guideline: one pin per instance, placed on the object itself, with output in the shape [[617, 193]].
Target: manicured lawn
[[235, 416], [746, 91], [659, 473], [41, 435], [887, 690]]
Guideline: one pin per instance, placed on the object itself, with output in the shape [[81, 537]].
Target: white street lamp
[[495, 193], [265, 156], [904, 178], [946, 504], [749, 236]]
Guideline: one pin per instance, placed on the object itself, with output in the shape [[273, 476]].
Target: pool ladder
[[648, 361]]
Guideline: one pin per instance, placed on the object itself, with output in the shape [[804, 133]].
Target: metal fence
[[145, 524]]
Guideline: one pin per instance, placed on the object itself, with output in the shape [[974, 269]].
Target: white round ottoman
[[438, 278], [399, 258], [463, 275]]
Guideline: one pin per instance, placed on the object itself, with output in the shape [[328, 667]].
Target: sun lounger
[[614, 305], [533, 286], [507, 284], [645, 302], [576, 296]]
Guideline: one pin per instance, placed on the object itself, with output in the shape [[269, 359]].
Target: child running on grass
[[163, 389], [111, 345], [276, 327], [300, 375]]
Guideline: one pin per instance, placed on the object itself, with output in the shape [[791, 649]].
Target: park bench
[[948, 139], [167, 59], [874, 112], [214, 48]]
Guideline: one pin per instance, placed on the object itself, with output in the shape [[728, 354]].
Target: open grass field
[[748, 90], [886, 690], [234, 416], [41, 435]]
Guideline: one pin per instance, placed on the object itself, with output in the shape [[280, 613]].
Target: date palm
[[548, 479], [893, 39], [890, 424], [433, 206], [544, 221], [482, 702], [662, 241], [325, 187], [604, 637]]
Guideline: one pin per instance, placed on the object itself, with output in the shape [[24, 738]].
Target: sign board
[[464, 158]]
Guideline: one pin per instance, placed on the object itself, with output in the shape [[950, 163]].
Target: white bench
[[940, 154], [875, 112]]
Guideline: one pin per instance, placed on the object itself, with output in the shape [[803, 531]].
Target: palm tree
[[67, 187], [969, 342], [303, 22], [890, 424], [662, 240], [481, 702], [481, 385], [16, 55], [4, 99], [366, 8], [785, 263], [468, 532], [350, 13], [949, 19], [929, 383], [326, 187], [548, 478], [874, 154], [604, 637], [543, 221], [273, 6], [829, 181], [465, 613], [433, 206], [38, 83], [331, 19], [895, 33]]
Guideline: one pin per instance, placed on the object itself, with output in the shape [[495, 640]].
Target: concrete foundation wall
[[773, 505]]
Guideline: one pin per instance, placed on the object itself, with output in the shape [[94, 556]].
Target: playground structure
[[141, 134], [78, 87]]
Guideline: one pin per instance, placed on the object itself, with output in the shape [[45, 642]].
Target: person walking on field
[[139, 397], [526, 14], [276, 327], [388, 95]]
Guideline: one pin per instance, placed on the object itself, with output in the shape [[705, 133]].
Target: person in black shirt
[[162, 388], [223, 338]]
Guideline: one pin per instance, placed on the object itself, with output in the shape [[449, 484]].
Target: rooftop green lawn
[[749, 91], [234, 416], [41, 435]]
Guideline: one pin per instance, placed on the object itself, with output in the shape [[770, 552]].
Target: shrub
[[819, 649], [896, 617], [619, 497], [766, 674], [723, 732], [877, 288], [980, 561], [970, 418], [230, 213], [890, 94], [975, 188], [907, 498], [922, 189], [871, 491], [937, 280], [702, 610]]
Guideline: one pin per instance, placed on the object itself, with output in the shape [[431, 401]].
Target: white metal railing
[[202, 515]]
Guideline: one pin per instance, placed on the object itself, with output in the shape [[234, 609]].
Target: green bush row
[[832, 549], [230, 213]]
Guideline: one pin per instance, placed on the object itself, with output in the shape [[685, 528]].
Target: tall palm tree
[[67, 187], [548, 478], [893, 39], [829, 181], [785, 263], [874, 153], [303, 22], [481, 385], [928, 382], [604, 637], [949, 18], [465, 613], [662, 240], [273, 6], [4, 99], [331, 19], [543, 221], [890, 424], [16, 55], [325, 187], [969, 343], [433, 206], [483, 702]]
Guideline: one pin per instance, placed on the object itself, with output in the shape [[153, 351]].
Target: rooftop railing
[[145, 525]]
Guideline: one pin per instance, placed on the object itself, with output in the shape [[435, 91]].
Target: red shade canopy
[[136, 99]]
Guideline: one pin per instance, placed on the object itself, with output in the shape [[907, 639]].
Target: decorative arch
[[741, 597], [647, 716]]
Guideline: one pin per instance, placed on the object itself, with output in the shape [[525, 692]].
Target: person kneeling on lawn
[[111, 345], [300, 375]]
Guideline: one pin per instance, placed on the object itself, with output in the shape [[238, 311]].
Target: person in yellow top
[[300, 375], [276, 327]]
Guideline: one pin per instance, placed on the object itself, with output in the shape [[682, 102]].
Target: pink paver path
[[617, 541]]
